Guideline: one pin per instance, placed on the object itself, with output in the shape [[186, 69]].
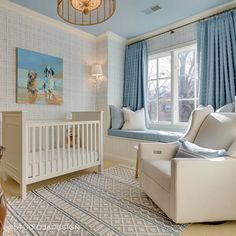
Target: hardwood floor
[[11, 188]]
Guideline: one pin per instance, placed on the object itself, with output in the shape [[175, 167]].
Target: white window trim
[[174, 125]]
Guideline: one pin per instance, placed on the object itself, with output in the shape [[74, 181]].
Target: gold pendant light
[[86, 12]]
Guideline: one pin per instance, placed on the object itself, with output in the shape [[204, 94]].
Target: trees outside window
[[172, 86]]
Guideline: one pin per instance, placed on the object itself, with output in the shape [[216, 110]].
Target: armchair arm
[[158, 150], [204, 188]]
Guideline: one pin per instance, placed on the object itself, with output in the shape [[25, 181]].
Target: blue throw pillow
[[117, 117], [188, 149]]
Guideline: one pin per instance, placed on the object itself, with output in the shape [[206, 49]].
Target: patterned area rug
[[106, 204]]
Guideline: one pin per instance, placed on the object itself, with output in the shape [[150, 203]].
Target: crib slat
[[58, 146], [33, 151], [52, 152], [27, 151], [95, 141], [73, 145], [99, 143], [91, 143], [68, 147], [87, 144], [46, 150], [40, 152], [82, 159], [78, 146], [63, 147]]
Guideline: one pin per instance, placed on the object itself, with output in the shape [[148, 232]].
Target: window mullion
[[195, 83], [157, 90], [175, 88]]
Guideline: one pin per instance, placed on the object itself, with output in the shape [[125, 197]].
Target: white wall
[[102, 59], [25, 29], [111, 55], [116, 53]]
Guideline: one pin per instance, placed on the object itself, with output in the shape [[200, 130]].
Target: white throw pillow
[[227, 108], [196, 119], [134, 119]]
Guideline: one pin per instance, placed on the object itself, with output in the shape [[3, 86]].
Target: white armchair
[[194, 189]]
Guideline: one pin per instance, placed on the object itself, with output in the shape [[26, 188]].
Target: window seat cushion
[[148, 135]]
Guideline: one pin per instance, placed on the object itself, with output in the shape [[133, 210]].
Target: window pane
[[152, 90], [164, 110], [152, 69], [164, 67], [161, 92], [164, 89], [187, 66], [185, 109], [152, 110]]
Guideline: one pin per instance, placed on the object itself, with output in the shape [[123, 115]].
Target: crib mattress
[[59, 160]]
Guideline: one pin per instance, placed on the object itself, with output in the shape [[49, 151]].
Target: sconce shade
[[96, 70]]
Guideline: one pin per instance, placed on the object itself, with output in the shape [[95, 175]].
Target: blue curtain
[[136, 72], [217, 59]]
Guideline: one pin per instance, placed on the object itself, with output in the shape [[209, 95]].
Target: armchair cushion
[[196, 119], [217, 132], [193, 150], [159, 170]]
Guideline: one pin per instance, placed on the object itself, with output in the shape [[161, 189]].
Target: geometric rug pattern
[[104, 204]]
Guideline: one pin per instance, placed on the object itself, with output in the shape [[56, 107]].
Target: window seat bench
[[146, 135]]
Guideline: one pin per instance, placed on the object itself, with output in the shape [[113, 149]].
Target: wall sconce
[[96, 71]]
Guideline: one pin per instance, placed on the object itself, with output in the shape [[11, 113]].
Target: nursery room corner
[[117, 117]]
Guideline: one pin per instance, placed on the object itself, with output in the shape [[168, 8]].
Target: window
[[172, 86]]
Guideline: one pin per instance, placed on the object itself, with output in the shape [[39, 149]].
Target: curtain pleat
[[135, 79], [217, 59]]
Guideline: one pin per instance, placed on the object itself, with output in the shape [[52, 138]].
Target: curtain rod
[[182, 26]]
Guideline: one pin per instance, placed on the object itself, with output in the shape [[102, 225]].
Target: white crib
[[39, 150]]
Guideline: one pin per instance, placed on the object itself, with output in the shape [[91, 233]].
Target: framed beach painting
[[39, 78]]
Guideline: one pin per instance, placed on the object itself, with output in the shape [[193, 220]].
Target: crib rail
[[39, 150], [56, 148]]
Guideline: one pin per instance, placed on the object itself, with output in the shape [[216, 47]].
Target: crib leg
[[100, 168], [23, 190]]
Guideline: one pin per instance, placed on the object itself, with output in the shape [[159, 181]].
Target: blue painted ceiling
[[129, 19]]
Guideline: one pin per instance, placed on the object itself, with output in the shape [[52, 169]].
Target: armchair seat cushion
[[158, 170]]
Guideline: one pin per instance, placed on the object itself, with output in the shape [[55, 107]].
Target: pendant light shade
[[86, 12]]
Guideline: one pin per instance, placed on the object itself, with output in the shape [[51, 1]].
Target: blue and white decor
[[136, 72], [217, 59]]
